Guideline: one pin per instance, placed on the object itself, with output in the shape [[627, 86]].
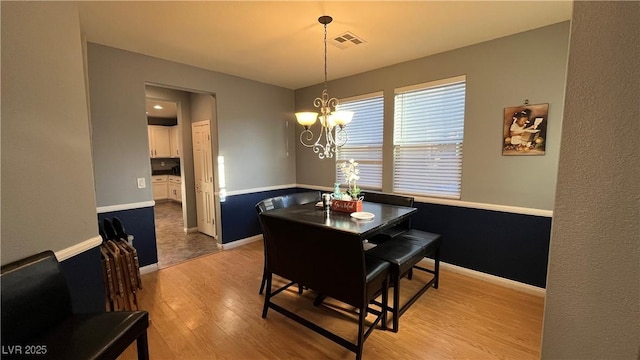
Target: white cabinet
[[175, 188], [160, 187], [174, 141], [159, 141]]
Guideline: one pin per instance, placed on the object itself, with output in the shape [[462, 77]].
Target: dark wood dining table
[[385, 216]]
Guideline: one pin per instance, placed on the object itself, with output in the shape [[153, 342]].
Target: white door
[[203, 171]]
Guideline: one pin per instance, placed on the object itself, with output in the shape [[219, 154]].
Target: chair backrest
[[269, 204], [327, 261], [35, 297], [391, 199], [301, 198], [386, 198]]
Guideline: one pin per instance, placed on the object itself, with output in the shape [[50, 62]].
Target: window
[[427, 138], [364, 143]]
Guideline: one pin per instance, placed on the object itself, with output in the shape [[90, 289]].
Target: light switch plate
[[141, 183]]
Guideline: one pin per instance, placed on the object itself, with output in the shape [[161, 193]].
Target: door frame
[[185, 120]]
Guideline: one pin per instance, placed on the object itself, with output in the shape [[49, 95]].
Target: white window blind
[[364, 143], [427, 138]]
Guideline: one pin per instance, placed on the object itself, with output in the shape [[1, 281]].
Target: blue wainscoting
[[508, 245], [84, 277], [141, 224], [239, 217]]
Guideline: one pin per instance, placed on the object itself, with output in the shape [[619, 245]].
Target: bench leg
[[385, 302], [436, 269], [143, 346], [396, 303]]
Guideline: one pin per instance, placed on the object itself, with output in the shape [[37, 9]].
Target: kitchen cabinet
[[174, 141], [175, 188], [160, 184], [159, 141]]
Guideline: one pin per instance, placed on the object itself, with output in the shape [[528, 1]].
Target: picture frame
[[524, 129]]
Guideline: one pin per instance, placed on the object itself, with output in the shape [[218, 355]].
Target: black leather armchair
[[37, 317]]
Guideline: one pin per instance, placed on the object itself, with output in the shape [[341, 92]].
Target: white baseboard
[[191, 230], [245, 241], [512, 284], [149, 268]]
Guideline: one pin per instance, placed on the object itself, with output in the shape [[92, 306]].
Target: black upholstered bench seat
[[403, 253]]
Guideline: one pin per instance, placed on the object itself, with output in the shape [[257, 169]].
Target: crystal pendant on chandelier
[[332, 123]]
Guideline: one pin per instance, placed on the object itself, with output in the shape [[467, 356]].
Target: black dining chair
[[280, 202], [300, 198], [330, 262], [266, 205], [404, 248], [390, 199]]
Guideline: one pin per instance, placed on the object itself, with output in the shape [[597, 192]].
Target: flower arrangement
[[351, 174]]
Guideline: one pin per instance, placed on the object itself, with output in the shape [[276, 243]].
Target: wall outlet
[[141, 183]]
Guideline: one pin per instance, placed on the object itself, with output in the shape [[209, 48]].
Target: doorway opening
[[170, 115]]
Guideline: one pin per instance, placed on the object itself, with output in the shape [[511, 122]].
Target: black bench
[[329, 262], [37, 317], [404, 248]]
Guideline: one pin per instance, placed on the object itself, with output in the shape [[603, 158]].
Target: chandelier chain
[[325, 56]]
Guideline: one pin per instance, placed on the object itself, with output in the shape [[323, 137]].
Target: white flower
[[351, 174]]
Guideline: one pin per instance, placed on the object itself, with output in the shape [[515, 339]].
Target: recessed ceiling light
[[157, 107]]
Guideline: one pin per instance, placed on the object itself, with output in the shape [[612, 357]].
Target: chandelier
[[332, 132]]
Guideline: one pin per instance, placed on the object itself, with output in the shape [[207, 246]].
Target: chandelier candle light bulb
[[332, 122]]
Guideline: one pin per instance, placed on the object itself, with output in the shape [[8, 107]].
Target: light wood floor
[[209, 308]]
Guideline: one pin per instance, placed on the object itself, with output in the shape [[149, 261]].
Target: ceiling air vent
[[347, 40]]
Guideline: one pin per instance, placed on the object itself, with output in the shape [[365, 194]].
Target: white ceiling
[[281, 43]]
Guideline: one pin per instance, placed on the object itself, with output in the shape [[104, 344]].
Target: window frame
[[443, 150]]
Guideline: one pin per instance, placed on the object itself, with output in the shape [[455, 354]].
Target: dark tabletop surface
[[385, 216]]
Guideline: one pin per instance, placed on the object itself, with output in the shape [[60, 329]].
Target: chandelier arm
[[317, 102], [341, 136], [306, 136], [332, 103]]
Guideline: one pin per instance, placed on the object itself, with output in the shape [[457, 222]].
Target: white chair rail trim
[[466, 204], [78, 248], [121, 207]]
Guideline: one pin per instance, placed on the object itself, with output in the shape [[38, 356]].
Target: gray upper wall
[[47, 178], [251, 121], [592, 305], [500, 73]]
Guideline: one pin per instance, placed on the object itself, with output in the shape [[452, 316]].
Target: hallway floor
[[174, 245]]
